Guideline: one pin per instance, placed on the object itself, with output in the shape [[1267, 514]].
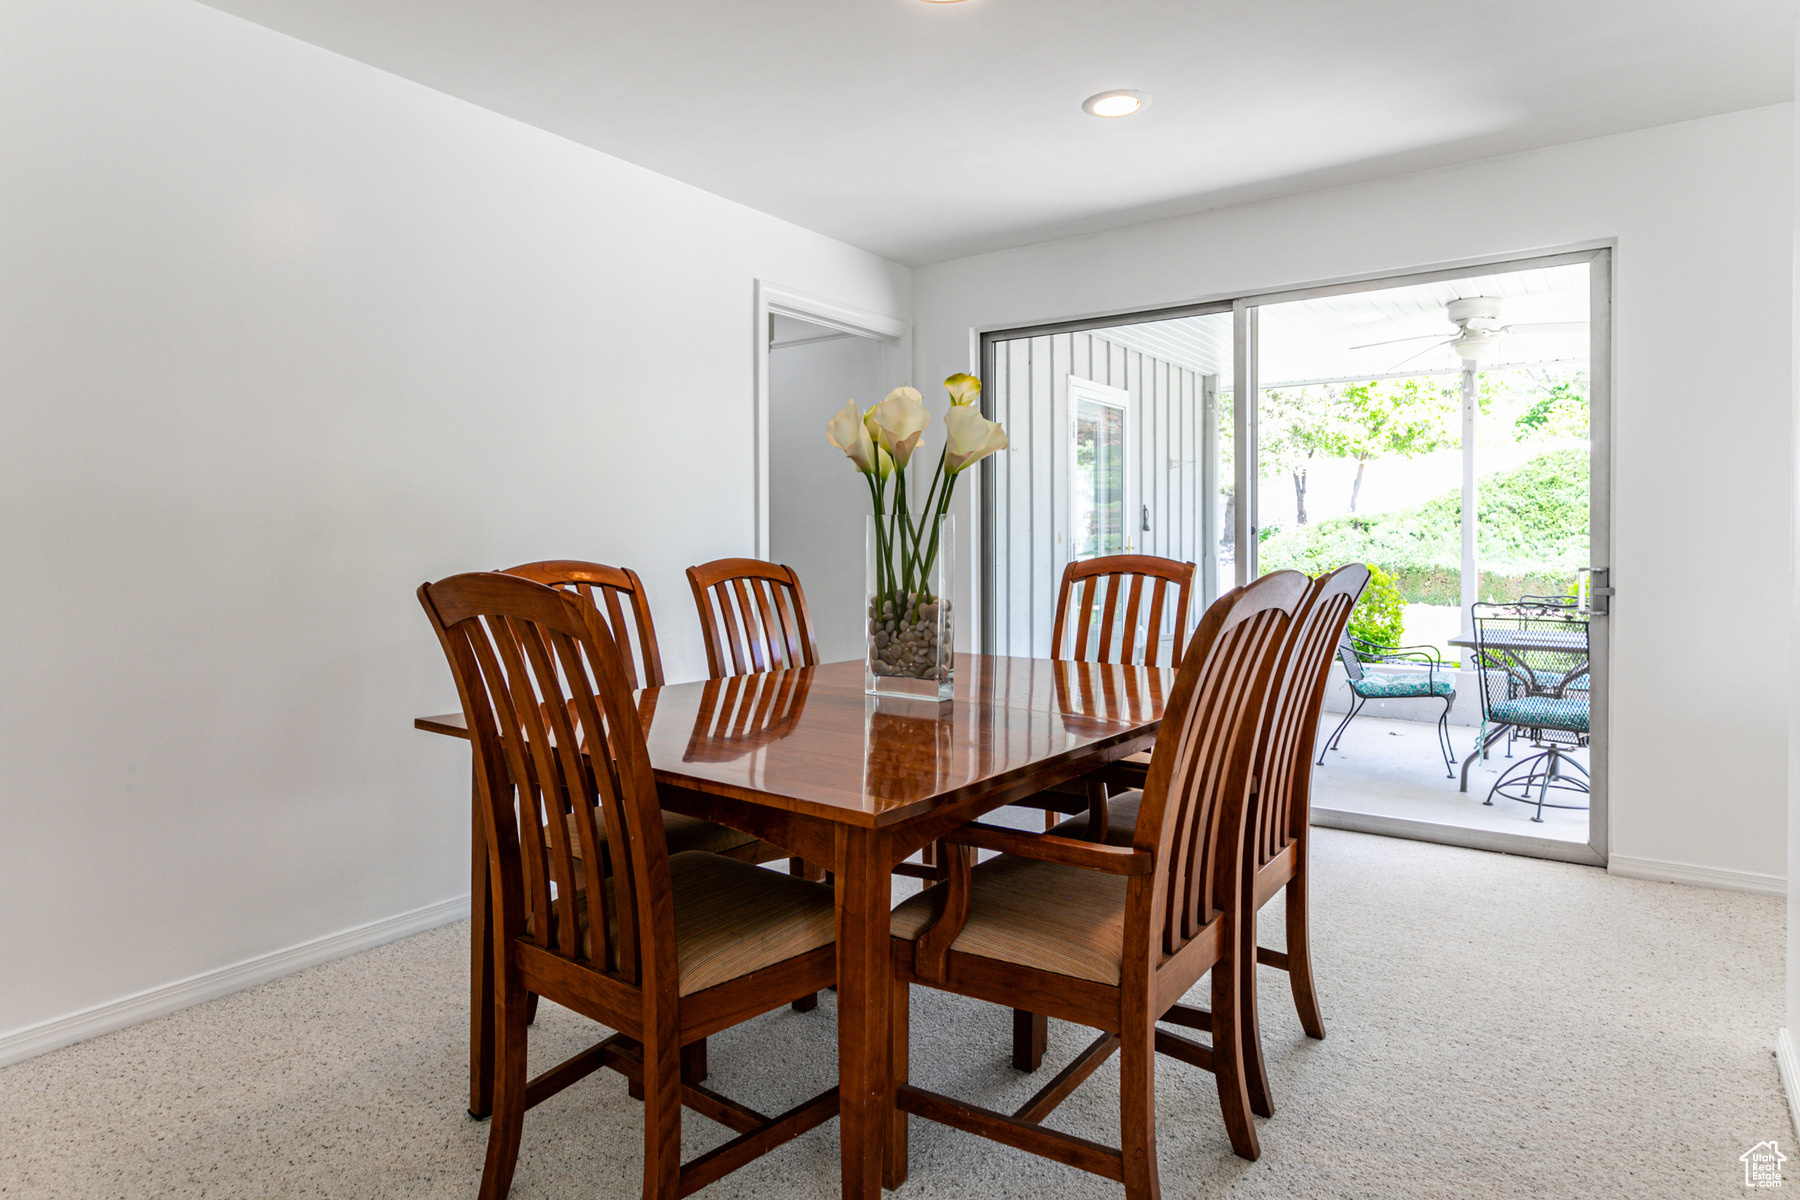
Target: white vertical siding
[[1030, 520]]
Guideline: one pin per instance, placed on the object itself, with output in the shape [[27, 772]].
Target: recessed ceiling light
[[1114, 104]]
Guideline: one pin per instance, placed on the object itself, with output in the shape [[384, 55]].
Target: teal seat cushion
[[1396, 687], [1568, 713]]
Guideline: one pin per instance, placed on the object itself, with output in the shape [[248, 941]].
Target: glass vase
[[911, 626]]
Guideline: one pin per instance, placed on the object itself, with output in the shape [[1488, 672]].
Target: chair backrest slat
[[561, 770], [1155, 622], [1081, 603], [1109, 612], [774, 631], [1083, 618], [1128, 632], [753, 617], [1198, 806], [746, 645], [609, 590]]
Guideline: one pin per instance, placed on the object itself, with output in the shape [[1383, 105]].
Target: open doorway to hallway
[[813, 369]]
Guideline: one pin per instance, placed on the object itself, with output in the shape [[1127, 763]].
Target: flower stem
[[883, 567], [937, 521], [934, 508], [909, 542]]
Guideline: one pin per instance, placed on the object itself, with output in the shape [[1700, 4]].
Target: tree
[[1293, 426], [1559, 408], [1407, 417]]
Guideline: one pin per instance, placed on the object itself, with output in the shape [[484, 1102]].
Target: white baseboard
[[1787, 1061], [1711, 877], [57, 1032]]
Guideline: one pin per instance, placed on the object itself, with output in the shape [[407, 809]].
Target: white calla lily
[[971, 437], [963, 389], [847, 432], [901, 419]]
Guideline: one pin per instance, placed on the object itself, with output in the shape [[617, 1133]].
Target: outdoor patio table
[[1526, 639], [805, 760]]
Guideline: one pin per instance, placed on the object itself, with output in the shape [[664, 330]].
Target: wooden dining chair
[[614, 593], [753, 616], [1101, 601], [1102, 616], [1282, 768], [1113, 936], [668, 948]]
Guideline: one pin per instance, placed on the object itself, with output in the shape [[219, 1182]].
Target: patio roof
[[1313, 341]]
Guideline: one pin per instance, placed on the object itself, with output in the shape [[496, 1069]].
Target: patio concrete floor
[[1393, 769]]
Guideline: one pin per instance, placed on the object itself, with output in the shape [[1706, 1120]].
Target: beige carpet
[[1498, 1027]]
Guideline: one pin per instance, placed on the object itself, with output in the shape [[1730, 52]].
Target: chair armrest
[[932, 947], [1068, 852]]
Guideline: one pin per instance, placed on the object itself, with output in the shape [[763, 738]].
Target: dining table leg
[[865, 1098], [481, 969]]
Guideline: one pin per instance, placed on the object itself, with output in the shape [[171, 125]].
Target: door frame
[[772, 300], [1112, 397], [1599, 255]]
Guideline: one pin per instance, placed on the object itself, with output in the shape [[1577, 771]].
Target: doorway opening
[[813, 369]]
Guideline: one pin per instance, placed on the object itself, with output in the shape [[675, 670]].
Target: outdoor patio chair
[[1356, 653], [1532, 655]]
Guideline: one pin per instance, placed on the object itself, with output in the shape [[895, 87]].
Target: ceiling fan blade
[[1548, 327], [1396, 341], [1421, 354]]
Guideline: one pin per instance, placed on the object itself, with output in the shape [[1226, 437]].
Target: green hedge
[[1532, 535], [1378, 616]]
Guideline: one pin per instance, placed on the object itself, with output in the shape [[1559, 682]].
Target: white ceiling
[[928, 131]]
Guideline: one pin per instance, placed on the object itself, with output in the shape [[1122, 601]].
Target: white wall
[[1785, 1046], [1703, 217], [818, 505], [283, 336]]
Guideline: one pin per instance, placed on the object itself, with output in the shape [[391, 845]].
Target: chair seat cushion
[[1043, 915], [1121, 820], [1397, 687], [731, 918], [1568, 713]]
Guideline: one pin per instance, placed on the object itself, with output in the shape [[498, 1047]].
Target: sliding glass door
[[1449, 428], [1442, 432]]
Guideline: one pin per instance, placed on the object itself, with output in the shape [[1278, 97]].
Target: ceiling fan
[[1478, 330]]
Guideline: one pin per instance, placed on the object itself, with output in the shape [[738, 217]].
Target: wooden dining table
[[805, 760]]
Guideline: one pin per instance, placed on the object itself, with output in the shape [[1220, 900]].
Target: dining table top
[[810, 740]]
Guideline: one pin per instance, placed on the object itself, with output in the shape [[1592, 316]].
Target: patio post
[[1471, 580]]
